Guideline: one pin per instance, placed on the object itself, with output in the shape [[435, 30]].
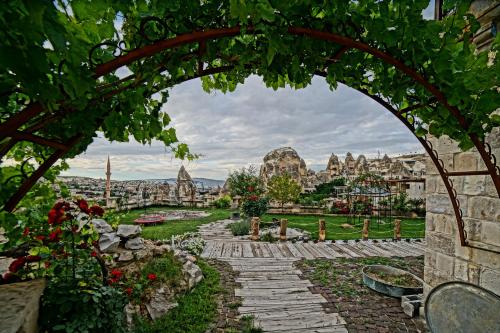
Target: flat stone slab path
[[271, 287]]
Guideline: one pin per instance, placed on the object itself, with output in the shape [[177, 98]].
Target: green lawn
[[196, 310], [169, 228], [410, 228]]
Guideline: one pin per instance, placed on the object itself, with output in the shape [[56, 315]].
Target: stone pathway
[[271, 287]]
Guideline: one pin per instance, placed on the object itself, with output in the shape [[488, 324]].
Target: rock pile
[[130, 252]]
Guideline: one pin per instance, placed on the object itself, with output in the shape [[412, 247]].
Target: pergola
[[35, 122]]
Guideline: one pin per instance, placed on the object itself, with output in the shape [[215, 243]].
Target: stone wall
[[445, 259]]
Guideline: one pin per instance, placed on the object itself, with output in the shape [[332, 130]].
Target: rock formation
[[334, 166], [283, 160], [185, 187]]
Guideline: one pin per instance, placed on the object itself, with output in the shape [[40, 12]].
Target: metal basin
[[386, 287]]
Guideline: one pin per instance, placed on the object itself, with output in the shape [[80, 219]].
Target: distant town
[[406, 174]]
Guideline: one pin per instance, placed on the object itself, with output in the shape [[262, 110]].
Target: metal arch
[[13, 123], [10, 127], [400, 114]]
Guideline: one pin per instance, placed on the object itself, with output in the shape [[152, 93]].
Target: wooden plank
[[340, 250], [275, 250], [209, 245], [266, 253], [306, 254], [217, 251], [256, 250], [228, 249], [331, 251], [311, 247], [247, 250], [284, 249], [296, 253]]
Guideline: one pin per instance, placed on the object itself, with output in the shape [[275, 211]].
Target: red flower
[[113, 280], [9, 277], [116, 273], [250, 188], [96, 210], [33, 258], [17, 264], [26, 231], [62, 205], [83, 205], [93, 254], [253, 198], [47, 264], [40, 237], [151, 277], [129, 291], [54, 236], [53, 216]]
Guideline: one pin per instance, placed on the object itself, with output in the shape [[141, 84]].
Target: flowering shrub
[[190, 242], [340, 207], [62, 248], [255, 206]]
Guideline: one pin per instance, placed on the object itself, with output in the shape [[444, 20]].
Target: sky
[[238, 129]]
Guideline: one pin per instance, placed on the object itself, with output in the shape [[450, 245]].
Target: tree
[[283, 189], [245, 183]]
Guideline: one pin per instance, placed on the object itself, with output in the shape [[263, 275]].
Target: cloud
[[237, 129]]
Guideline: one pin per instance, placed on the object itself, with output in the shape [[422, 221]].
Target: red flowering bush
[[60, 246]]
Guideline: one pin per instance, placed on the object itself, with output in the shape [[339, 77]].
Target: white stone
[[134, 244], [160, 303], [101, 226], [109, 242], [126, 256], [128, 230]]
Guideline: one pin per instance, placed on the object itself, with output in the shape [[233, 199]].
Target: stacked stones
[[124, 242]]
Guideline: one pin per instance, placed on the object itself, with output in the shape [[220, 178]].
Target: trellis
[[20, 127]]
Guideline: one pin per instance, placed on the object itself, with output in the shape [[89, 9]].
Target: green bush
[[69, 308], [223, 203], [255, 207], [240, 228], [267, 237]]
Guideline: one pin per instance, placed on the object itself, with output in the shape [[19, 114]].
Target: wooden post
[[366, 226], [397, 229], [283, 226], [322, 230], [254, 224]]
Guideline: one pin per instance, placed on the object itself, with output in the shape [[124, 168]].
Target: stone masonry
[[445, 259]]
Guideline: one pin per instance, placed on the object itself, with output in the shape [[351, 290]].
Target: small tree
[[245, 182], [283, 189]]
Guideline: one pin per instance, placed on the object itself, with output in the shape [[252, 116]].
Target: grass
[[410, 227], [343, 275], [196, 311], [177, 227], [167, 269]]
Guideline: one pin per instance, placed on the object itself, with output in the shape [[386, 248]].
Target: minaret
[[108, 183]]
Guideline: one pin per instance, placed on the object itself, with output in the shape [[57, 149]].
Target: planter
[[391, 281]]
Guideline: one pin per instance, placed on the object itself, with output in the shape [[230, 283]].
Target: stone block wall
[[445, 259]]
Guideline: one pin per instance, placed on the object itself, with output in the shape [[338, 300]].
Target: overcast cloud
[[237, 129]]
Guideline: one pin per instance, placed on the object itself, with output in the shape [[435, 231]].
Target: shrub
[[69, 308], [255, 207], [240, 228], [267, 237], [223, 203]]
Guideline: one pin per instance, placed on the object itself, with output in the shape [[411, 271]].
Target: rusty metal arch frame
[[10, 128]]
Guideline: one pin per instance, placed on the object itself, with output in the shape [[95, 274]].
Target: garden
[[74, 70]]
